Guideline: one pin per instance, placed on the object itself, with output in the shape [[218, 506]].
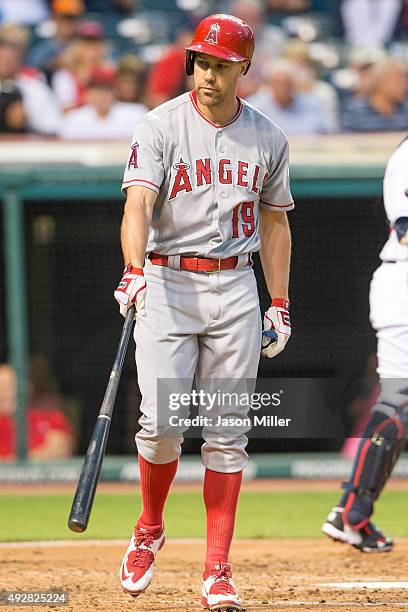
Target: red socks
[[221, 492], [155, 482]]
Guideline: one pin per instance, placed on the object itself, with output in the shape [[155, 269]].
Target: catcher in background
[[385, 434]]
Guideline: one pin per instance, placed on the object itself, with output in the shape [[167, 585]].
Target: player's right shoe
[[367, 539], [218, 592], [136, 571]]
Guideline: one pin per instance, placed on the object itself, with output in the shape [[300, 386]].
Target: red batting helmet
[[223, 36]]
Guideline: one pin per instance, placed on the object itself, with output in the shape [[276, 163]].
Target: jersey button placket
[[215, 291], [213, 279], [221, 194]]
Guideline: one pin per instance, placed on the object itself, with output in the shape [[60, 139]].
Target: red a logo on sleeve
[[133, 157]]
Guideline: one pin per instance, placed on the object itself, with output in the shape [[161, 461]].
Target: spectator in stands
[[46, 54], [102, 118], [40, 105], [15, 35], [270, 42], [49, 433], [131, 79], [298, 52], [285, 8], [112, 7], [88, 52], [385, 108], [404, 23], [280, 100], [167, 77], [23, 12], [13, 119], [370, 22], [362, 60]]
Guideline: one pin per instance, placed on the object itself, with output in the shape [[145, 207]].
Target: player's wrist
[[281, 303], [133, 270]]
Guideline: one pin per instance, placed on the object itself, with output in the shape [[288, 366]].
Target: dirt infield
[[271, 575]]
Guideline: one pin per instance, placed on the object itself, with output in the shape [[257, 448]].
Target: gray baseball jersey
[[210, 179], [210, 182]]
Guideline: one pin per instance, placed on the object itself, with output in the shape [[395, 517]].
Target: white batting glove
[[277, 328], [131, 291]]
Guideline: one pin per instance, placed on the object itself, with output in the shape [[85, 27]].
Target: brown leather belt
[[198, 264]]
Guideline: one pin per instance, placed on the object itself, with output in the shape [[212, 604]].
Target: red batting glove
[[131, 291], [277, 328]]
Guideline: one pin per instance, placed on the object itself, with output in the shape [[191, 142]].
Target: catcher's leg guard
[[382, 442]]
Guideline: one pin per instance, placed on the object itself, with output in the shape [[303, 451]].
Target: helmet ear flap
[[190, 57]]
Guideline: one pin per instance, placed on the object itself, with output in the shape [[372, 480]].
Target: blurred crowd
[[50, 434], [88, 69]]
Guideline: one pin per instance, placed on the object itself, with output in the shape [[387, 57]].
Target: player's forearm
[[275, 252], [135, 229], [134, 235]]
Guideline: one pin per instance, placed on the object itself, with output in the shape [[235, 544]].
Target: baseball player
[[207, 179], [385, 435]]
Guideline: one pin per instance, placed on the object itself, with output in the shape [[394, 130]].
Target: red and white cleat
[[136, 571], [219, 594]]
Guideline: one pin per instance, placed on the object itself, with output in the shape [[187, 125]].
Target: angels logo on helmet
[[212, 36], [223, 36]]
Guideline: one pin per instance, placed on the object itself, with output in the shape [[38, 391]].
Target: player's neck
[[221, 114]]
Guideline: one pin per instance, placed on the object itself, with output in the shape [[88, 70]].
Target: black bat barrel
[[85, 493]]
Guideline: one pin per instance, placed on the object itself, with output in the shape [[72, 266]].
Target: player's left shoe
[[218, 592], [367, 539], [136, 571]]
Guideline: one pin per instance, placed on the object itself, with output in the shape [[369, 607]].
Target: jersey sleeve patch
[[132, 163], [145, 162]]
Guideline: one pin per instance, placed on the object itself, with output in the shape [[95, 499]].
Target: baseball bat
[[85, 491]]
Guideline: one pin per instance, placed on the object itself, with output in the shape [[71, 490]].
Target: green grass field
[[286, 514]]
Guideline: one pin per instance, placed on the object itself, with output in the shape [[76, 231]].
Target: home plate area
[[270, 575]]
